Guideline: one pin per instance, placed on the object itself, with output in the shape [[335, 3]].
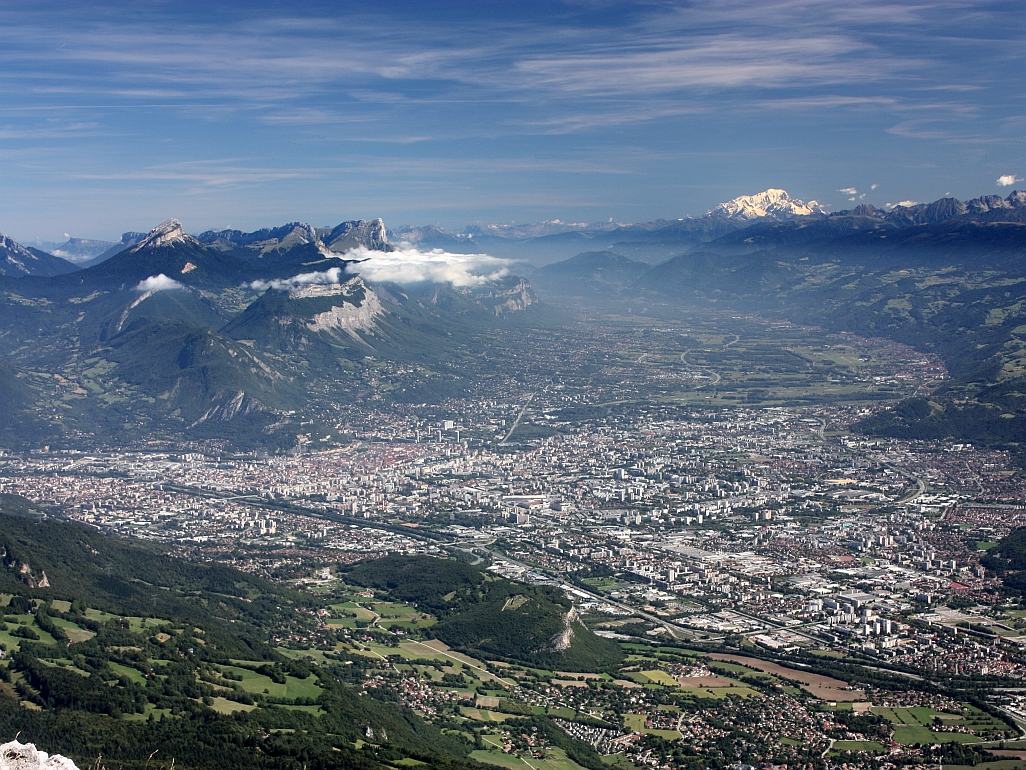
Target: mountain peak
[[167, 233], [10, 247], [368, 233], [773, 202], [18, 260]]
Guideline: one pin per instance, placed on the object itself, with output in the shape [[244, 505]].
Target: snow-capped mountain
[[769, 203], [15, 255]]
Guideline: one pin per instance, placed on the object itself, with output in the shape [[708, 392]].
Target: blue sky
[[117, 115]]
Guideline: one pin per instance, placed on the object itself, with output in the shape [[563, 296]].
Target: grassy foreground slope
[[488, 616], [127, 577], [93, 666]]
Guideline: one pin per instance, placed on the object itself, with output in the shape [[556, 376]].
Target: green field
[[555, 759], [132, 674], [75, 632], [13, 642], [398, 615], [655, 676], [871, 746], [912, 725], [909, 734], [135, 624], [603, 583], [255, 683], [225, 706], [636, 722], [157, 714]]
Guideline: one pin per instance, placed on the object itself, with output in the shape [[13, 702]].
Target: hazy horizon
[[245, 116]]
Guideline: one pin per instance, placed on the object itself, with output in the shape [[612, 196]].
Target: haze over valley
[[548, 386]]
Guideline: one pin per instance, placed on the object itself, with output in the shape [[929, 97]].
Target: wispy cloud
[[426, 109], [266, 62], [1007, 180], [209, 174]]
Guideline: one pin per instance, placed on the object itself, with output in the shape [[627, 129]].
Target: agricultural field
[[140, 660], [256, 683], [761, 366], [554, 759], [925, 725], [871, 746]]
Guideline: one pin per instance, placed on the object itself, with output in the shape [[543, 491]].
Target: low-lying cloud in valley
[[437, 266], [333, 275], [403, 266]]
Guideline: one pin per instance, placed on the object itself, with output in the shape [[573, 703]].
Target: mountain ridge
[[191, 340]]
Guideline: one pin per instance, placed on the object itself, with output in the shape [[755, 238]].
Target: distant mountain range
[[553, 240], [947, 277], [238, 336], [74, 249], [652, 242], [225, 335], [16, 259]]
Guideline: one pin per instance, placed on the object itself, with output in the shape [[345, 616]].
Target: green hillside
[[215, 355], [129, 653], [488, 616], [127, 576], [595, 273]]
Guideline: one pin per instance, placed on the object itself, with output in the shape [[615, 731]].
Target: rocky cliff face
[[562, 641], [23, 570], [167, 233], [358, 308], [25, 756], [506, 297], [368, 233]]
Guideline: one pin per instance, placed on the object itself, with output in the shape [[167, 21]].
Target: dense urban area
[[707, 539]]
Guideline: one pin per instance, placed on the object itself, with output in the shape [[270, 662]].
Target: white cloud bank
[[403, 266], [1007, 180], [158, 283], [333, 275], [437, 266]]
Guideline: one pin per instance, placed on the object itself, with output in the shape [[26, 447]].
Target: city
[[672, 528]]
